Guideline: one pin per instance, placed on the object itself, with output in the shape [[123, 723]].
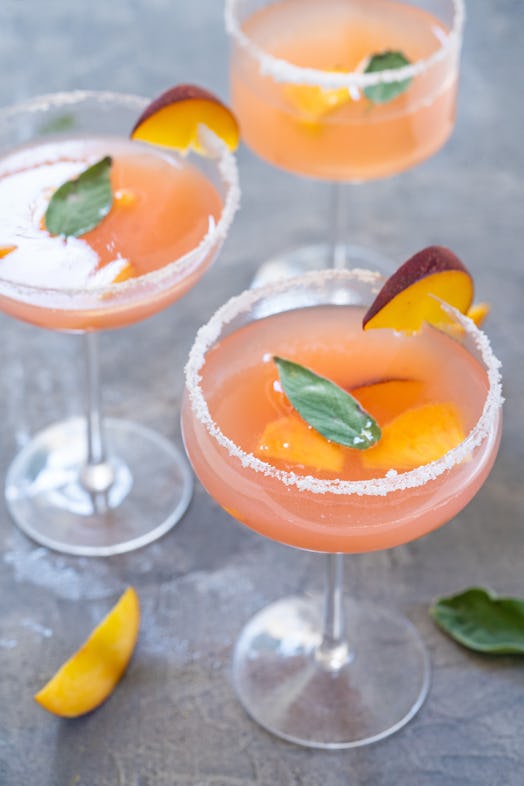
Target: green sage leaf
[[79, 205], [58, 124], [482, 621], [328, 408], [386, 91]]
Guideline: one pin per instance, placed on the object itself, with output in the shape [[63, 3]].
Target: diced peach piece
[[416, 437], [124, 197], [313, 102], [89, 676], [411, 295], [5, 250], [291, 439], [388, 398], [125, 274], [478, 313], [172, 119]]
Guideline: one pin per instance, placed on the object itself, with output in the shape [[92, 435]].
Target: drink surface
[[162, 209], [354, 140], [240, 386]]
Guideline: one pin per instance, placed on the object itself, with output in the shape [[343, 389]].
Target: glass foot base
[[151, 489], [317, 257], [371, 691]]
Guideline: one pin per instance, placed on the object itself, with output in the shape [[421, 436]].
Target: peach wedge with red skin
[[413, 293], [89, 676], [172, 119]]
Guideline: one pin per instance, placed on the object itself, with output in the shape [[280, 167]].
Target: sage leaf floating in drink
[[386, 91], [482, 621], [328, 408], [79, 205]]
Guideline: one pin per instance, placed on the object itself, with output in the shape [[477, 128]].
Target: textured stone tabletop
[[174, 720]]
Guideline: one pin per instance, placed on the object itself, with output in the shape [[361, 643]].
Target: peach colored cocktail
[[99, 230], [389, 373], [345, 91], [435, 395], [299, 90], [117, 273]]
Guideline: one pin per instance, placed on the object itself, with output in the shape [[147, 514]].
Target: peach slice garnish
[[89, 676], [5, 250], [291, 439], [388, 398], [411, 295], [172, 119], [478, 313], [416, 437]]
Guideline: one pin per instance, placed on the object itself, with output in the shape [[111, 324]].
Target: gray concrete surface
[[174, 720]]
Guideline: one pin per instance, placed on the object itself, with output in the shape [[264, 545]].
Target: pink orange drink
[[345, 91], [436, 396], [390, 372], [99, 229], [299, 88], [156, 242]]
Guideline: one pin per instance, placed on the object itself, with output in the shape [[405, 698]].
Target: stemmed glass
[[91, 485], [299, 92], [328, 673]]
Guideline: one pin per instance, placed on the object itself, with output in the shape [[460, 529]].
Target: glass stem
[[97, 474], [333, 651], [337, 243]]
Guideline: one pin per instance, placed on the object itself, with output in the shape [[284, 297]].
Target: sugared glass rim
[[393, 481], [218, 152], [283, 71]]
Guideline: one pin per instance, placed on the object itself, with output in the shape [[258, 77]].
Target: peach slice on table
[[386, 399], [291, 439], [418, 436], [172, 119], [89, 676], [413, 293]]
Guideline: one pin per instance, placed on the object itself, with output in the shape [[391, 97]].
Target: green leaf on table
[[79, 205], [386, 91], [482, 621], [328, 408]]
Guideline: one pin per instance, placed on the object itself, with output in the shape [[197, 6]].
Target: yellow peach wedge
[[386, 399], [173, 119], [314, 102], [413, 293], [89, 676], [418, 436], [478, 313], [292, 440]]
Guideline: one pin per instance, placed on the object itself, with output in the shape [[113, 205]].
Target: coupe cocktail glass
[[298, 91], [332, 674], [102, 486]]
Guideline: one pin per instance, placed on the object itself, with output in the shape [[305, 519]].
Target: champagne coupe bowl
[[90, 485], [329, 673], [289, 57]]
